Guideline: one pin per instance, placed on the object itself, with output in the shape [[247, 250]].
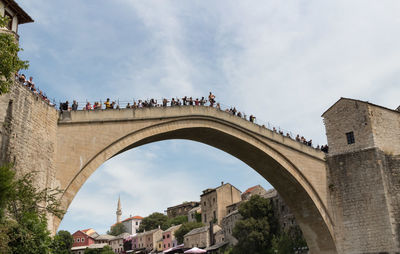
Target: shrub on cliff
[[10, 63], [23, 210]]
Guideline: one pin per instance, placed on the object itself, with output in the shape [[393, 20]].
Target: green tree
[[197, 216], [10, 63], [177, 220], [282, 244], [186, 228], [6, 187], [153, 221], [117, 229], [257, 228], [62, 243], [24, 229]]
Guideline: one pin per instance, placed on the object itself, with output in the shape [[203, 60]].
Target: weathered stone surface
[[364, 176], [28, 129]]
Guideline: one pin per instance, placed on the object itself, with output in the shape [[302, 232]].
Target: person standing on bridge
[[74, 105], [108, 104], [164, 102], [211, 99], [202, 101]]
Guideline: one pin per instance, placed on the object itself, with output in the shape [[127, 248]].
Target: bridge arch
[[281, 161]]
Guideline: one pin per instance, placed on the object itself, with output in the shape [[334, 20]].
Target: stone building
[[169, 239], [364, 175], [146, 240], [200, 237], [117, 242], [228, 223], [16, 15], [105, 238], [94, 246], [285, 217], [219, 237], [181, 209], [132, 224], [255, 190], [160, 246], [233, 207], [214, 202], [192, 214]]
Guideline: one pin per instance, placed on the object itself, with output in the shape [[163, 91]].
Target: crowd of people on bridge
[[185, 101], [30, 85]]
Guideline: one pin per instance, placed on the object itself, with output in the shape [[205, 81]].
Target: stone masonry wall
[[392, 177], [386, 129], [28, 127], [360, 208], [346, 116]]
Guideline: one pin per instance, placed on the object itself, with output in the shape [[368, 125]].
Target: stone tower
[[119, 211], [16, 16], [364, 176]]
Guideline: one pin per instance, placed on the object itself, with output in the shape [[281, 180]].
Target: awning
[[195, 250], [172, 250]]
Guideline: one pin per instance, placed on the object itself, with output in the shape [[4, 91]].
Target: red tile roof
[[134, 218], [250, 189]]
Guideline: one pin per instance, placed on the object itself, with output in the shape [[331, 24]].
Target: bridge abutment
[[28, 136], [364, 176]]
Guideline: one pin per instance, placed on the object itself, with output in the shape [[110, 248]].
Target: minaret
[[119, 211]]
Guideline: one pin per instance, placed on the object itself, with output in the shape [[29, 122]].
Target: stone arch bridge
[[86, 139], [66, 148]]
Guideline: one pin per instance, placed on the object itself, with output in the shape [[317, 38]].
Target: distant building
[[214, 202], [119, 211], [219, 237], [104, 238], [168, 236], [132, 224], [81, 249], [200, 237], [117, 243], [146, 241], [282, 212], [84, 238], [233, 207], [17, 16], [160, 244], [255, 190], [181, 210], [192, 214], [228, 223]]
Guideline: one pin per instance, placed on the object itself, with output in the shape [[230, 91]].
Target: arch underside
[[298, 193]]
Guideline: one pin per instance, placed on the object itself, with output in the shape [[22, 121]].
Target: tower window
[[9, 23], [350, 138]]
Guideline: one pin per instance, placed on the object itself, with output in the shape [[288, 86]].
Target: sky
[[285, 62]]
